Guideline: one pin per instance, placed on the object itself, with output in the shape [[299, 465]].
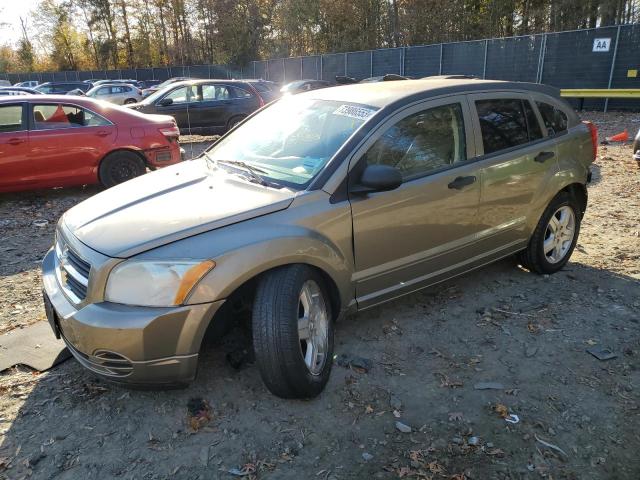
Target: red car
[[58, 141]]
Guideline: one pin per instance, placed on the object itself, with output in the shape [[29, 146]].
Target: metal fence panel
[[292, 69], [332, 65], [199, 71], [514, 59], [276, 70], [569, 61], [422, 61], [463, 58], [261, 70], [359, 64], [387, 61], [627, 64], [311, 67]]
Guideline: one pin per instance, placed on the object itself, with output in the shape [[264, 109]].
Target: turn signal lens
[[190, 278]]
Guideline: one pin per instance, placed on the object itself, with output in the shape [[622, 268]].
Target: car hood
[[168, 205]]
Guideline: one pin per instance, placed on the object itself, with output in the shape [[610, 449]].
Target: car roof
[[381, 94], [51, 98]]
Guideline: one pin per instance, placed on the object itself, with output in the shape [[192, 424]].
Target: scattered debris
[[198, 413], [354, 362], [602, 353], [367, 456], [473, 441], [455, 416], [550, 445], [488, 386], [401, 427]]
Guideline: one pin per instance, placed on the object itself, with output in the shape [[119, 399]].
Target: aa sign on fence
[[601, 44]]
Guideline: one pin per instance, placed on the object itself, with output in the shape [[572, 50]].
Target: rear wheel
[[118, 167], [234, 121], [555, 236], [293, 332]]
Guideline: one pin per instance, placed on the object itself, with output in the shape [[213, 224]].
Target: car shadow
[[427, 348]]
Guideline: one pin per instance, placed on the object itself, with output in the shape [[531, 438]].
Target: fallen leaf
[[501, 410]]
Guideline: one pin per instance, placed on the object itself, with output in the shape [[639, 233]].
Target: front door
[[425, 230], [178, 103], [14, 145]]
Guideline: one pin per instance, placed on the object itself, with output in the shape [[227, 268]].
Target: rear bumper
[[147, 346], [164, 156]]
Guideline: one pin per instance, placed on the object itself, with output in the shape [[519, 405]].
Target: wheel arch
[[579, 192]]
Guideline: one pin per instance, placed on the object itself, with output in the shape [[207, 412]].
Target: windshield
[[292, 140]]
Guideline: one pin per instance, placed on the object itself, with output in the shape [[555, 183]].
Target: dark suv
[[204, 106]]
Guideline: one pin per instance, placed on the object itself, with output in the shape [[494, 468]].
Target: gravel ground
[[449, 363]]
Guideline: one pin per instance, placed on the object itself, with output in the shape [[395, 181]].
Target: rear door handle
[[543, 157], [461, 182], [16, 141]]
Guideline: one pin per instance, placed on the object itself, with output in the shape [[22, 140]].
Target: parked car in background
[[389, 77], [269, 91], [57, 141], [27, 84], [636, 147], [129, 81], [62, 87], [18, 91], [159, 86], [204, 106], [322, 204], [300, 86], [120, 94], [5, 83]]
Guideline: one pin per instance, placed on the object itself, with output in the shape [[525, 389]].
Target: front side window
[[183, 95], [292, 140], [57, 116], [555, 120], [422, 142], [503, 124], [10, 118]]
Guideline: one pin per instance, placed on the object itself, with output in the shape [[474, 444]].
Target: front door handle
[[16, 141], [543, 157], [102, 133], [461, 182]]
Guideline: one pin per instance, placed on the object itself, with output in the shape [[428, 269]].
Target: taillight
[[170, 133], [594, 137]]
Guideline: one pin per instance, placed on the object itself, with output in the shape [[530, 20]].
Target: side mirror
[[165, 102], [378, 178]]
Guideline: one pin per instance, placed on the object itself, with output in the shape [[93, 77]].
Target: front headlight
[[154, 283]]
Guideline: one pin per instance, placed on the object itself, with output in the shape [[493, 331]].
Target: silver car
[[321, 204], [118, 93]]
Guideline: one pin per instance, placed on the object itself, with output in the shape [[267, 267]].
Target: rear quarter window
[[555, 120]]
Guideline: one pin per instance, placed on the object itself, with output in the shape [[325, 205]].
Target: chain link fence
[[607, 57]]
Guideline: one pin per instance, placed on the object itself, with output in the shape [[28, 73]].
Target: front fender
[[292, 244]]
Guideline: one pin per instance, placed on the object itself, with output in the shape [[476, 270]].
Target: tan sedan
[[319, 205]]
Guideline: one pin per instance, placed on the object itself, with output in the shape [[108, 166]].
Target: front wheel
[[293, 332], [130, 101], [555, 236]]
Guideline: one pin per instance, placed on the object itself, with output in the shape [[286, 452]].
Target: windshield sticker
[[354, 112]]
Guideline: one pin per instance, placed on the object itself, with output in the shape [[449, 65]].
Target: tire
[[278, 328], [118, 167], [234, 121], [129, 101], [534, 256]]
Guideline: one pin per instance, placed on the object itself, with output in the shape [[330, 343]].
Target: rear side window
[[10, 118], [503, 123], [241, 93], [57, 116], [261, 87], [215, 92], [555, 120]]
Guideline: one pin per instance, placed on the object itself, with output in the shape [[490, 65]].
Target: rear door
[[67, 142], [214, 108], [518, 159], [425, 230], [14, 145]]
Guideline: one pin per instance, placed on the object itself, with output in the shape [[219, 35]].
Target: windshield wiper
[[251, 171]]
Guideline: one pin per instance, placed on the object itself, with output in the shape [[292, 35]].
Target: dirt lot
[[522, 335]]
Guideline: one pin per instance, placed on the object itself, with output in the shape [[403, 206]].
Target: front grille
[[73, 272]]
